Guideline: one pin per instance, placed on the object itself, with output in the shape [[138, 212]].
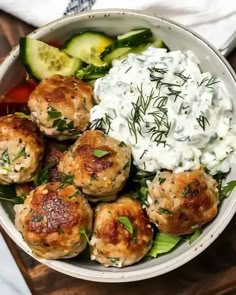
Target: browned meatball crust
[[53, 220], [182, 201], [21, 149], [61, 106], [54, 152], [99, 176], [112, 244]]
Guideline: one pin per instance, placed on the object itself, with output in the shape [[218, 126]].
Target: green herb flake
[[53, 113], [75, 195], [127, 165], [94, 176], [60, 124], [37, 218], [202, 120], [122, 144], [84, 232], [114, 260], [100, 153], [19, 154], [164, 211], [60, 148], [60, 231], [186, 190], [161, 180], [42, 176], [4, 159], [67, 180], [163, 243], [124, 220]]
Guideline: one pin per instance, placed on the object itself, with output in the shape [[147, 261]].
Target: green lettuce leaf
[[163, 243]]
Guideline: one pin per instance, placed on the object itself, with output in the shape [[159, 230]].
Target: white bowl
[[114, 22]]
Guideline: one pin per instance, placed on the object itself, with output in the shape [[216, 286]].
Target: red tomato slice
[[54, 44], [19, 94]]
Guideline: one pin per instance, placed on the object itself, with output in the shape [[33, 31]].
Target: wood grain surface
[[211, 273]]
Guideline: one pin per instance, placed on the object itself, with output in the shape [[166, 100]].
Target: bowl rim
[[134, 275]]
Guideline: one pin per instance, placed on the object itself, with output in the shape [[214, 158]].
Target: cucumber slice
[[125, 42], [87, 46], [135, 35], [92, 72], [116, 54], [42, 60], [139, 49]]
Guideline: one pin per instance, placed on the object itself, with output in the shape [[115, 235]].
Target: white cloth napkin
[[213, 19]]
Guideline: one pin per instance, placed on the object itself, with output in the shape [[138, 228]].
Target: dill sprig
[[158, 70], [143, 101], [202, 120], [208, 82], [182, 77], [176, 93], [103, 124]]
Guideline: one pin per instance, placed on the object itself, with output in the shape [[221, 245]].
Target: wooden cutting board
[[211, 273]]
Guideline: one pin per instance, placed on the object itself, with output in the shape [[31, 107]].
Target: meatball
[[61, 106], [122, 233], [54, 221], [182, 201], [100, 165], [21, 149]]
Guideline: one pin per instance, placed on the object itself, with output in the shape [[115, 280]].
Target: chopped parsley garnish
[[100, 153], [137, 186], [122, 144], [186, 190], [53, 113], [37, 218], [127, 164], [114, 260], [62, 124], [164, 211], [161, 180], [94, 176], [20, 153], [67, 180], [84, 232], [4, 159], [202, 120], [126, 223], [42, 176], [75, 195], [60, 148], [60, 231]]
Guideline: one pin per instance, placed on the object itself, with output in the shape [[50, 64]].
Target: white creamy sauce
[[173, 115]]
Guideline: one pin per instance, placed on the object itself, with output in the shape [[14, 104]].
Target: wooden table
[[211, 273]]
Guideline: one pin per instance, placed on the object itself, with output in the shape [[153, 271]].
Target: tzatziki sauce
[[171, 114]]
